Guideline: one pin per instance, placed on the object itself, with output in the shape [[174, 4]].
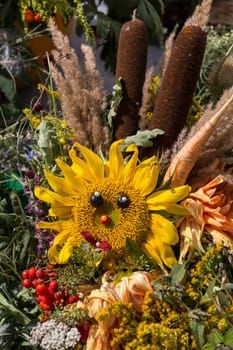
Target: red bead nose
[[105, 219]]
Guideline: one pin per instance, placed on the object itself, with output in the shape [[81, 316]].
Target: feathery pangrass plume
[[200, 16], [166, 55], [147, 98], [221, 74], [211, 137], [81, 92]]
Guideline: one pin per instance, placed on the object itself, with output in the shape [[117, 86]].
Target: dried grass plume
[[201, 14], [82, 94]]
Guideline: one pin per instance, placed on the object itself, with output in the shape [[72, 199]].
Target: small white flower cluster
[[52, 335]]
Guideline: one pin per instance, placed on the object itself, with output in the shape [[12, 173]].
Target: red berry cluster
[[48, 295], [31, 16]]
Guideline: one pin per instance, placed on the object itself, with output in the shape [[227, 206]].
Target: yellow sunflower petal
[[171, 208], [167, 253], [161, 252], [130, 167], [171, 195], [55, 225], [74, 178], [164, 229], [152, 251], [93, 170], [63, 236], [53, 255], [61, 211], [51, 197], [65, 253], [146, 176], [116, 161], [59, 184]]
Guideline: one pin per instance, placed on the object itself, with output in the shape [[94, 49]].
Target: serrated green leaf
[[142, 138]]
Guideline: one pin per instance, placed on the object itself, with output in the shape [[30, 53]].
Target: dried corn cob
[[131, 68], [176, 91]]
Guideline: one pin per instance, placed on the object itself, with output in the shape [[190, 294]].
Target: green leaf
[[210, 289], [25, 242], [107, 27], [136, 252], [197, 329], [47, 141], [148, 14], [8, 218], [7, 86], [178, 273], [228, 337], [215, 337], [142, 138]]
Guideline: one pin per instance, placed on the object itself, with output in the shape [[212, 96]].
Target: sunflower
[[110, 201]]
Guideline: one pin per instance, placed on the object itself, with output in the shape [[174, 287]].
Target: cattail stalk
[[131, 68], [175, 95]]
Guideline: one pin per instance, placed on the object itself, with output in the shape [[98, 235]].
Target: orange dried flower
[[210, 209]]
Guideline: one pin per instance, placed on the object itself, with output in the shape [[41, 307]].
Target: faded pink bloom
[[131, 289], [99, 337], [210, 209]]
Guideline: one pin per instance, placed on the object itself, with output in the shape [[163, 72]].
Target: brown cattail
[[175, 95], [131, 68]]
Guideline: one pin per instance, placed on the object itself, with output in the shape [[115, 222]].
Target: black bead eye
[[96, 199], [123, 201]]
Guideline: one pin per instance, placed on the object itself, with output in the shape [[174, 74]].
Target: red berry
[[36, 282], [32, 272], [53, 285], [69, 300], [41, 289], [58, 297], [45, 306], [39, 273], [24, 274], [46, 299], [27, 283], [28, 16], [37, 18], [76, 298]]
